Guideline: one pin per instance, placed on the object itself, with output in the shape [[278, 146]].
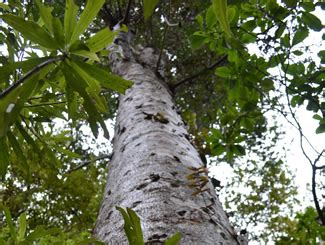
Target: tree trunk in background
[[150, 164]]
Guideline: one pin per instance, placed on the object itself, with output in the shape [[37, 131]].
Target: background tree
[[225, 110]]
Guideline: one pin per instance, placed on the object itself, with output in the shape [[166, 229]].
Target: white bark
[[149, 168]]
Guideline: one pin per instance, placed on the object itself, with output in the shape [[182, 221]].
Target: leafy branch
[[29, 74]]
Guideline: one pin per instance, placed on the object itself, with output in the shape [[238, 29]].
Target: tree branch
[[126, 14], [46, 103], [210, 67], [86, 163], [29, 74]]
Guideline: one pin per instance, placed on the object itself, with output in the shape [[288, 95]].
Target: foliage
[[304, 229], [133, 231], [19, 234], [223, 90]]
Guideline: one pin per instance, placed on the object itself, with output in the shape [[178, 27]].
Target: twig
[[46, 103], [218, 62], [126, 14], [86, 163], [28, 74], [161, 48]]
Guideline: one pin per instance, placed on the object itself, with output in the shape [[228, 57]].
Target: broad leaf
[[299, 36], [78, 84], [70, 19], [31, 31], [100, 40], [10, 224], [26, 65], [46, 15], [90, 12], [174, 240], [132, 226], [221, 12], [22, 226], [58, 32], [106, 79], [149, 7], [312, 21]]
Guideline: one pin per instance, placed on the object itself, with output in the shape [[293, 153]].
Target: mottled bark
[[150, 165]]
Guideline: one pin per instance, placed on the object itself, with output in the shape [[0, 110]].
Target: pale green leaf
[[86, 54], [70, 19], [100, 40], [58, 32], [10, 224], [5, 6], [149, 7], [221, 12], [46, 15], [79, 85], [132, 226], [91, 10], [31, 31], [174, 240], [106, 79], [22, 226]]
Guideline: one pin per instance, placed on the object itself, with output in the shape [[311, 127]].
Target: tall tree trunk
[[151, 163]]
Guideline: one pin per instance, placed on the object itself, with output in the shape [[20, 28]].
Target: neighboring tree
[[56, 68]]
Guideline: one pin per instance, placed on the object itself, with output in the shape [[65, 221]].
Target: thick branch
[[210, 67], [29, 74]]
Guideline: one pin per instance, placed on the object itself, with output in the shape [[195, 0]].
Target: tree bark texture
[[152, 161]]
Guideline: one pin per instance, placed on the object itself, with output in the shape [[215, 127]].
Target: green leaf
[[197, 40], [210, 17], [46, 15], [299, 36], [22, 226], [91, 10], [321, 55], [298, 52], [79, 85], [86, 54], [221, 12], [93, 84], [26, 65], [100, 40], [174, 240], [58, 32], [70, 19], [72, 102], [9, 222], [132, 226], [149, 7], [320, 129], [312, 21], [17, 149], [267, 84], [317, 117], [106, 79], [4, 157], [223, 71], [29, 140], [5, 6], [31, 31]]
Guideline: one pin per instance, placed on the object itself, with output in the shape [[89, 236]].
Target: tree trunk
[[152, 161]]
